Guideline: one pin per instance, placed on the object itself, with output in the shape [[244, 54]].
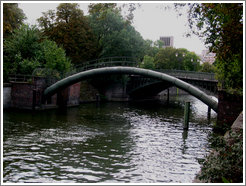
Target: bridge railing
[[102, 62], [188, 74]]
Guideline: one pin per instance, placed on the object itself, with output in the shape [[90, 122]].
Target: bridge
[[202, 80], [142, 81], [148, 78]]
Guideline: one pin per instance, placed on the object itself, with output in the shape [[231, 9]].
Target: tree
[[166, 59], [26, 50], [13, 18], [100, 9], [222, 26], [151, 48], [159, 44], [207, 67], [114, 37], [148, 62], [22, 44], [69, 27], [181, 58], [55, 57], [192, 61]]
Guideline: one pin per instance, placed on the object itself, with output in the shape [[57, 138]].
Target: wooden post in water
[[186, 115], [97, 100], [209, 113]]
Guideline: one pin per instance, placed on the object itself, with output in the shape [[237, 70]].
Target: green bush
[[225, 163], [27, 50]]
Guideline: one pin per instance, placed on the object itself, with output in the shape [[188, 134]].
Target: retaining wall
[[21, 95], [7, 88], [229, 107]]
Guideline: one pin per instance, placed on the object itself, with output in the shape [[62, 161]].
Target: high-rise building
[[168, 41]]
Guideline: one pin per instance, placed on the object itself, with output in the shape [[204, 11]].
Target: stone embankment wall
[[7, 88]]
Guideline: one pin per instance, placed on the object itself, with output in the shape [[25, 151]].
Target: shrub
[[226, 161]]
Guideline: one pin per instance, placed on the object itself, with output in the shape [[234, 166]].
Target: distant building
[[207, 56], [168, 41]]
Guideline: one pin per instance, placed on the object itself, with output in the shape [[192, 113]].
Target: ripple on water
[[131, 145]]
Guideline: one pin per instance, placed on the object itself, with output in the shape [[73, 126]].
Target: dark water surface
[[140, 142]]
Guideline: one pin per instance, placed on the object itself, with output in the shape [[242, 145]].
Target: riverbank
[[236, 128]]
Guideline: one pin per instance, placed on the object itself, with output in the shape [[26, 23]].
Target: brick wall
[[229, 107], [40, 85], [74, 94], [22, 95]]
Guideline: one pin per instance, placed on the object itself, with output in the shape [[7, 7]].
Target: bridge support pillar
[[62, 98]]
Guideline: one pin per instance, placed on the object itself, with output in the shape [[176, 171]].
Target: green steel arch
[[135, 71]]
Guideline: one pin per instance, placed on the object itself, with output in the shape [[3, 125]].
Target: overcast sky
[[151, 21]]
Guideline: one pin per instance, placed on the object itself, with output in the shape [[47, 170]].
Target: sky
[[151, 20]]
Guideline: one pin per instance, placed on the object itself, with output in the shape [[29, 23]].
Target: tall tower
[[168, 41]]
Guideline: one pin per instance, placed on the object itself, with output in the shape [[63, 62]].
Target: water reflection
[[114, 142]]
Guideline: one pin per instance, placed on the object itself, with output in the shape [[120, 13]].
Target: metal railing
[[188, 74], [20, 78], [100, 63], [108, 62]]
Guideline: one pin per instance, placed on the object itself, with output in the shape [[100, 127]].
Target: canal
[[116, 142]]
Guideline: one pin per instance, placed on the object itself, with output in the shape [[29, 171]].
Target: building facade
[[168, 41], [207, 56]]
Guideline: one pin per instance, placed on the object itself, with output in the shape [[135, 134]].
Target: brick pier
[[22, 95]]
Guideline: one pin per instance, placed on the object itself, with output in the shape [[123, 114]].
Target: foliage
[[55, 57], [166, 59], [115, 38], [222, 26], [191, 61], [159, 44], [13, 18], [26, 50], [27, 66], [228, 163], [69, 27], [148, 62], [151, 48], [22, 44], [207, 67], [101, 9]]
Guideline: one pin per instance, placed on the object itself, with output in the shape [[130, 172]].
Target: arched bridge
[[170, 80], [203, 80]]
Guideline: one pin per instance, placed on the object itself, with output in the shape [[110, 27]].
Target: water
[[114, 143]]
